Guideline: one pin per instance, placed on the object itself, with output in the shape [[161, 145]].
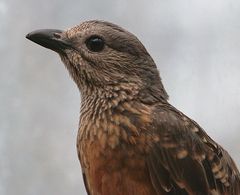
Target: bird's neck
[[113, 112], [96, 101]]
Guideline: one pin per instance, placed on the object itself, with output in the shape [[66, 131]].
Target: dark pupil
[[95, 44]]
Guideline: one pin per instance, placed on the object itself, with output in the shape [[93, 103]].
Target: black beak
[[49, 38]]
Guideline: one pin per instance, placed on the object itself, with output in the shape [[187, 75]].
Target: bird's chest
[[112, 155], [119, 170], [110, 148]]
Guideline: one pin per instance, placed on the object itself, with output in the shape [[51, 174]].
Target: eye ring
[[95, 43]]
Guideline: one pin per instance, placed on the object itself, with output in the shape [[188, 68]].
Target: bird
[[131, 140]]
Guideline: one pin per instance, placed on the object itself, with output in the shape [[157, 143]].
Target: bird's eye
[[95, 44]]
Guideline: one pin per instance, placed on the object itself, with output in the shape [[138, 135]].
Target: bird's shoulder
[[184, 150]]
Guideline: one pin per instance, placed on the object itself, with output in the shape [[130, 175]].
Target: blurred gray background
[[196, 45]]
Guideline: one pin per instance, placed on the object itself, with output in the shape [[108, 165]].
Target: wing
[[85, 183], [185, 160], [83, 173]]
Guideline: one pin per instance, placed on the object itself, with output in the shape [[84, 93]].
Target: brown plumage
[[131, 141]]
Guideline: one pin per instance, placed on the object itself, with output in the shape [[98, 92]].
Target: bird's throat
[[113, 117]]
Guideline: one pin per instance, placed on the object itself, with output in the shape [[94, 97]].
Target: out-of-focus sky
[[196, 45]]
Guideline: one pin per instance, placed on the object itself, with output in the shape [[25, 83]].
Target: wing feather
[[186, 160], [86, 183]]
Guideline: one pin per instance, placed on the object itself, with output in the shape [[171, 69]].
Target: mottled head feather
[[124, 59]]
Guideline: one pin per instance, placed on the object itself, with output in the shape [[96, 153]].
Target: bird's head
[[100, 54]]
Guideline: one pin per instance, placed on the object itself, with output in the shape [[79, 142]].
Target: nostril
[[57, 35]]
